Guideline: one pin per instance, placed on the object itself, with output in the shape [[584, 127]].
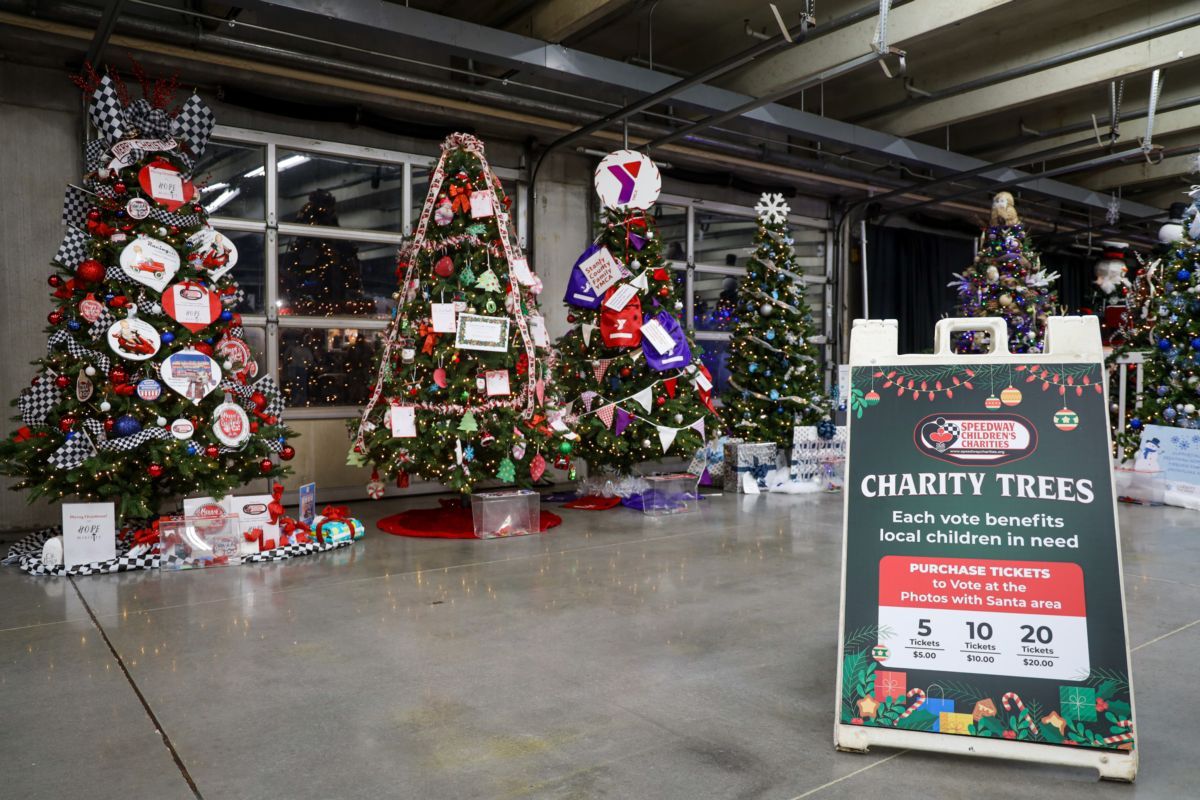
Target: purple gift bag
[[579, 292], [678, 356]]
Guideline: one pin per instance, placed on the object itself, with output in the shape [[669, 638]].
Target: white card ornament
[[703, 382], [403, 421], [137, 208], [443, 317], [620, 297], [192, 305], [52, 552], [477, 332], [658, 337], [231, 425], [84, 389], [537, 329], [89, 533], [482, 205], [601, 270], [627, 179], [133, 339], [165, 184], [191, 373], [496, 381], [90, 308], [236, 357], [212, 251], [520, 270], [150, 262], [182, 429]]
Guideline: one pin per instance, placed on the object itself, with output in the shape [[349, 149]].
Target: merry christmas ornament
[[231, 425]]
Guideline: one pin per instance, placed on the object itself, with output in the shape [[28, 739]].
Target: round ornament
[[992, 403], [133, 339], [1011, 396], [627, 179], [231, 426], [137, 208], [766, 309], [444, 267], [826, 429], [287, 452], [236, 353], [191, 373], [162, 180], [439, 377], [125, 425], [212, 251], [871, 398], [89, 271], [1005, 299], [150, 262], [149, 389], [443, 215], [1066, 420], [375, 487]]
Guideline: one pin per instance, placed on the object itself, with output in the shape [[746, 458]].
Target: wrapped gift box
[[336, 530], [754, 458], [817, 459]]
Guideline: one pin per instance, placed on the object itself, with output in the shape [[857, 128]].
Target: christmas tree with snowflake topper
[[636, 391], [144, 392], [463, 391], [1006, 280], [775, 375]]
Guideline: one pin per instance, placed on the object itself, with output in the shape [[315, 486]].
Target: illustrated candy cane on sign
[[1020, 707], [1121, 737], [920, 695]]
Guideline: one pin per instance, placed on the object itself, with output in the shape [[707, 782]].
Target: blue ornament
[[109, 296], [770, 335], [826, 429], [754, 367], [774, 395], [469, 453], [1183, 275], [1196, 343], [1162, 390], [210, 340], [1169, 413], [126, 425], [1164, 345], [73, 325], [226, 315], [167, 337], [1135, 423], [193, 448]]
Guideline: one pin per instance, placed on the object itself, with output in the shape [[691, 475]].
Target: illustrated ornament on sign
[[150, 262], [627, 179], [133, 339], [772, 208], [192, 305], [213, 252], [191, 373], [163, 181]]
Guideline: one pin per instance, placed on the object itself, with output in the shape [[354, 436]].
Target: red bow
[[275, 507], [430, 338], [147, 535], [460, 198], [331, 514], [24, 434]]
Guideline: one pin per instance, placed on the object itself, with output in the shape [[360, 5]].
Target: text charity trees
[[775, 375], [1006, 280], [144, 393], [629, 372], [462, 392]]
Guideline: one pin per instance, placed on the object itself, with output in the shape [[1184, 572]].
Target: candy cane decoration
[[920, 695], [1120, 737], [1033, 728]]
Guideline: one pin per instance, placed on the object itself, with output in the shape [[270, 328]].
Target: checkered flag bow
[[76, 202], [194, 124], [36, 401], [77, 449], [270, 390], [73, 248], [106, 111]]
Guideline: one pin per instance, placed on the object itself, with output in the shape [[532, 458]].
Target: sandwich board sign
[[982, 608]]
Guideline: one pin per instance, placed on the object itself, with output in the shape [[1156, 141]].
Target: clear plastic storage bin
[[670, 494], [513, 512], [200, 542]]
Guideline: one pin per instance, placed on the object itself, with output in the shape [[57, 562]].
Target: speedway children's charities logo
[[976, 439], [627, 179]]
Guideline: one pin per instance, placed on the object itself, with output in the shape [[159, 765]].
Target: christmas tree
[[1006, 280], [1171, 377], [322, 277], [630, 373], [142, 298], [462, 392], [775, 376]]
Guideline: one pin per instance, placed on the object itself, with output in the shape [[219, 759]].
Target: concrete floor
[[615, 657]]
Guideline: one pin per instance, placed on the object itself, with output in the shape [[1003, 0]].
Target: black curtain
[[907, 273]]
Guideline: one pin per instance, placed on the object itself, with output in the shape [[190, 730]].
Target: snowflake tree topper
[[771, 208]]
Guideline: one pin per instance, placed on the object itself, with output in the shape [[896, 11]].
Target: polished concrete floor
[[614, 657]]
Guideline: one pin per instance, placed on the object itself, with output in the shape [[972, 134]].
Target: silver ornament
[[766, 309]]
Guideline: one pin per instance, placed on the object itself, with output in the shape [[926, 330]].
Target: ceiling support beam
[[108, 21], [556, 20], [1166, 123], [1142, 172]]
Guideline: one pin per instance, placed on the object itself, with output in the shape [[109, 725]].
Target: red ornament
[[661, 400], [444, 267], [258, 400], [62, 381], [54, 281], [625, 372], [271, 419], [54, 317], [119, 188], [117, 301], [287, 453], [90, 271], [660, 274], [203, 347], [66, 423], [253, 426], [108, 425], [154, 470], [266, 465], [664, 291], [93, 214], [570, 318], [118, 375], [125, 389], [211, 451]]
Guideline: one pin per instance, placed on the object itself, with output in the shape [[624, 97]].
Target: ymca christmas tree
[[144, 393], [628, 369], [1006, 280], [462, 392], [322, 277], [1172, 364], [775, 377]]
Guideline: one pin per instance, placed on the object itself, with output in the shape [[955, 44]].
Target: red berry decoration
[[62, 381], [119, 188], [266, 465], [154, 470], [287, 453], [90, 271], [54, 281], [66, 423], [211, 451]]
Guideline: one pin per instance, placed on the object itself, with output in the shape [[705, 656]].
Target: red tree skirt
[[449, 521]]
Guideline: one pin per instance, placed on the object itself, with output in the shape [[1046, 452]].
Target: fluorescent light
[[291, 161], [212, 187], [258, 172], [225, 197]]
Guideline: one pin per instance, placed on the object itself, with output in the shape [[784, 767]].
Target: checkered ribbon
[[76, 203], [95, 429], [178, 220], [73, 248], [96, 153], [37, 401], [77, 350], [233, 300], [125, 444], [266, 385], [77, 449], [107, 318]]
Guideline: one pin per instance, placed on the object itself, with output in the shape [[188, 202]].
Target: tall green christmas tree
[[628, 369], [1171, 378], [144, 393], [775, 376], [322, 277], [462, 392], [1006, 280]]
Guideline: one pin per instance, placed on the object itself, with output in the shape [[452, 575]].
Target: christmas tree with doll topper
[[322, 277], [1171, 376], [145, 390], [775, 375], [462, 392], [1006, 280], [629, 372]]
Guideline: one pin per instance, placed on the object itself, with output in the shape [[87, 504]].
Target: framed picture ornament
[[476, 332]]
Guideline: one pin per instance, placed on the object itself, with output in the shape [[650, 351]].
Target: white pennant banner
[[644, 398], [667, 437], [588, 330]]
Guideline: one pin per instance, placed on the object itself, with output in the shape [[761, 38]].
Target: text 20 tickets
[[982, 582]]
